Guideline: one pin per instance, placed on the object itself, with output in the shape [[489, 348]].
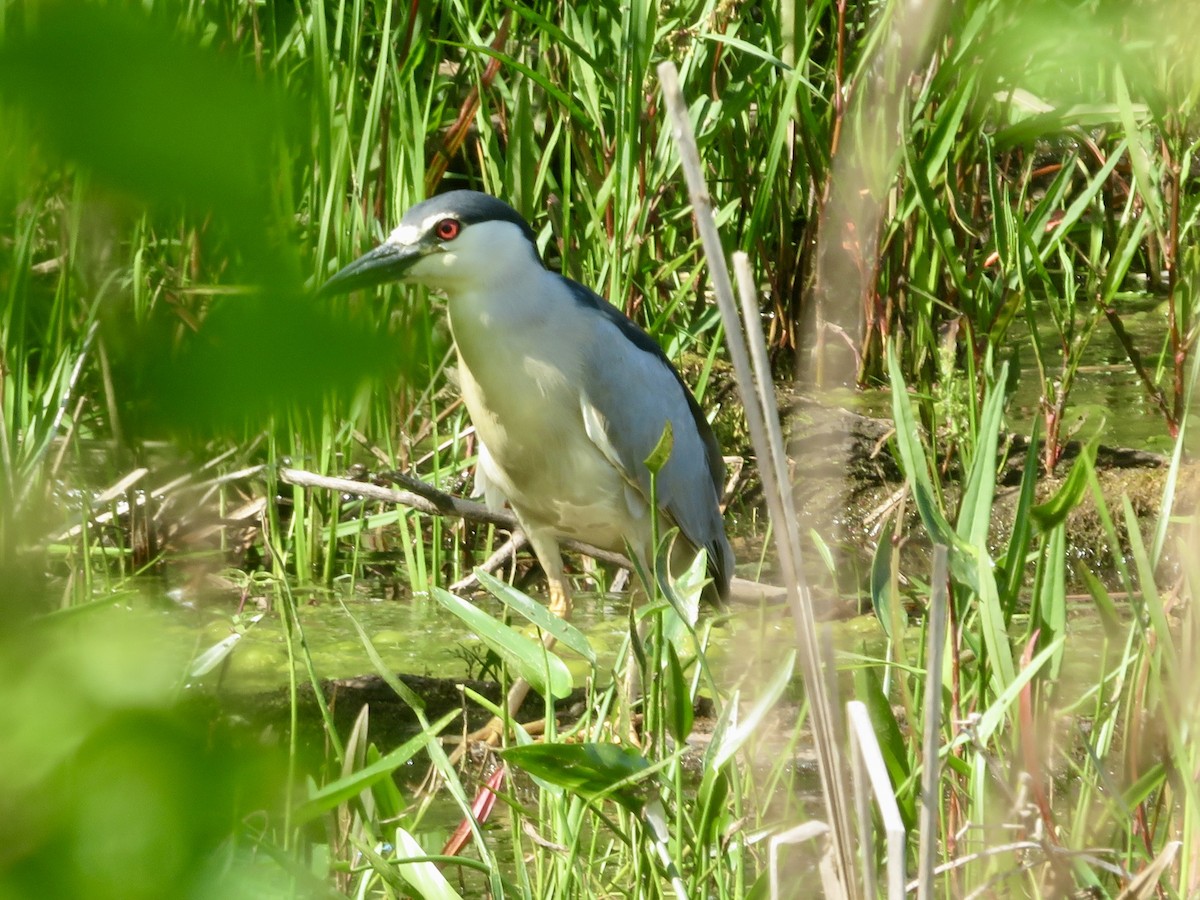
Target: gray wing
[[632, 390]]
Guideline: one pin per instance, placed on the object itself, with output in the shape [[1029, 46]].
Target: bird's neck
[[510, 349], [510, 306]]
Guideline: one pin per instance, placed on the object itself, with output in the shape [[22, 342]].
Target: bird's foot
[[490, 735], [475, 747]]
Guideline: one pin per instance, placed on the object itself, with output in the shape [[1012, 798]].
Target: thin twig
[[506, 551], [1135, 359], [435, 503]]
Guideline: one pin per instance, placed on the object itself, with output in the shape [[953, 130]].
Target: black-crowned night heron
[[568, 396]]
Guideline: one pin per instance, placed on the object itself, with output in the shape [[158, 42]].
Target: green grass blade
[[337, 792], [522, 604], [545, 671]]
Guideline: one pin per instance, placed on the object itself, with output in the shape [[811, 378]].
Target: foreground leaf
[[519, 602], [426, 877], [530, 660], [343, 789], [593, 771]]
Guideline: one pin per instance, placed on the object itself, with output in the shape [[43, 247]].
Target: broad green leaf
[[1104, 603], [1144, 788], [884, 600], [1050, 591], [970, 564], [1170, 483], [389, 802], [995, 715], [711, 806], [682, 610], [939, 220], [913, 460], [522, 604], [824, 551], [732, 740], [744, 46], [1151, 596], [869, 690], [1139, 153], [1055, 121], [932, 518], [994, 628], [975, 511], [662, 450], [546, 672], [551, 29], [351, 527], [1022, 531], [593, 771], [1082, 202], [537, 77], [215, 655], [678, 697], [686, 591], [1054, 511]]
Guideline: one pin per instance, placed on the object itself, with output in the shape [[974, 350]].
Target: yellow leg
[[560, 600]]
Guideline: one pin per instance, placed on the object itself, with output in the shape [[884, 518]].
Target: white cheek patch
[[404, 235]]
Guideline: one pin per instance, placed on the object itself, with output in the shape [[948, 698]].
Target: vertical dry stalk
[[757, 397], [865, 159], [939, 603]]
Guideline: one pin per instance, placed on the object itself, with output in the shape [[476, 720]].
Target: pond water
[[415, 635], [1107, 397]]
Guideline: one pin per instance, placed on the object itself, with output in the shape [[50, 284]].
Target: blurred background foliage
[[175, 177]]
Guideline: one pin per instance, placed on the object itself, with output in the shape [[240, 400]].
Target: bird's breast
[[522, 389]]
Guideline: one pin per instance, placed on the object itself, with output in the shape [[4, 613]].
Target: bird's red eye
[[447, 229]]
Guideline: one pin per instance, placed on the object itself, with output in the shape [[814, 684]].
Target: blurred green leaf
[[979, 491], [711, 809], [1049, 612], [1105, 607], [731, 741], [884, 600], [869, 689], [995, 716], [1013, 571], [110, 790], [388, 799], [425, 876], [252, 358], [337, 792], [144, 111]]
